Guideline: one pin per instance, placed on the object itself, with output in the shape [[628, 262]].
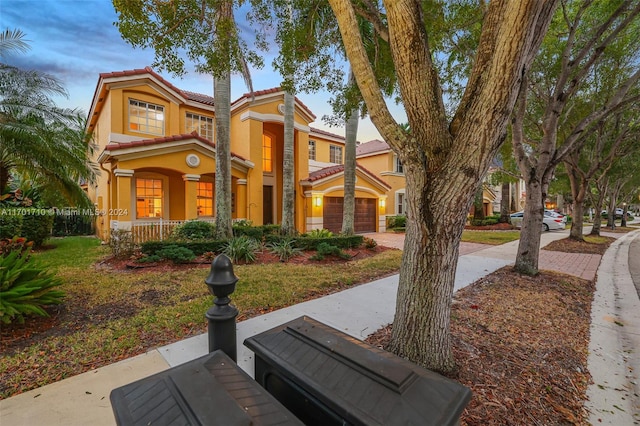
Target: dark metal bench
[[211, 390], [326, 377]]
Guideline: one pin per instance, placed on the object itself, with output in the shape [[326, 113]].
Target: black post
[[222, 315]]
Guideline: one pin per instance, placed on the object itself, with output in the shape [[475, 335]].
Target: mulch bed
[[263, 257], [568, 245], [520, 344]]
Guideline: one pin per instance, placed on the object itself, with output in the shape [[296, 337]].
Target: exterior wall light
[[382, 203], [318, 201]]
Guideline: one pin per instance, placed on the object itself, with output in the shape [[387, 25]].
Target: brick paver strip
[[581, 265]]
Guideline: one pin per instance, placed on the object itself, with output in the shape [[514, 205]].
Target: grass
[[489, 237], [111, 315]]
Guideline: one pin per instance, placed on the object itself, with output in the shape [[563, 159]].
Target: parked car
[[550, 221], [619, 213]]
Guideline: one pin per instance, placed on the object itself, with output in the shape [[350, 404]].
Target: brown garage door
[[365, 214]]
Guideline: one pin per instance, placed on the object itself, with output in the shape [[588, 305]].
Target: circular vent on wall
[[193, 160], [281, 109]]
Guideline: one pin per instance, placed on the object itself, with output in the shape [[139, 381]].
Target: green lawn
[[110, 315], [489, 237]]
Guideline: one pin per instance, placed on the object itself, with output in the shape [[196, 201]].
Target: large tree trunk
[[478, 205], [222, 99], [504, 203], [444, 163], [529, 245], [348, 211], [428, 269], [288, 226], [579, 186]]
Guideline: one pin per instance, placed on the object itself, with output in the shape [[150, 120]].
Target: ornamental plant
[[25, 286]]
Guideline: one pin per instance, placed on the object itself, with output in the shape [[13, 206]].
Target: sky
[[76, 40]]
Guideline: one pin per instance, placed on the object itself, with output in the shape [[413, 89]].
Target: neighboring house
[[156, 149], [377, 156]]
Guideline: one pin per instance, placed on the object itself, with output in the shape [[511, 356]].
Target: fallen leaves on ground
[[568, 245], [520, 344]]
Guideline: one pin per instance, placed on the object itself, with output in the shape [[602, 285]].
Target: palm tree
[[39, 140]]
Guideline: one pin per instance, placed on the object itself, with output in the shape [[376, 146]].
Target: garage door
[[365, 214]]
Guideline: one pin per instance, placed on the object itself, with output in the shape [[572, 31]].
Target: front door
[[267, 205]]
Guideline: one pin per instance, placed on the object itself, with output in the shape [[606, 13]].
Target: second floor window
[[267, 154], [205, 198], [312, 150], [335, 154], [201, 124], [145, 117], [398, 165], [148, 198]]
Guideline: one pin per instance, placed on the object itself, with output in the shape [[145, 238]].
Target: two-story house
[[377, 156], [156, 152]]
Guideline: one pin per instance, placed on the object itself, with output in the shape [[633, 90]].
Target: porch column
[[120, 214], [241, 199], [190, 196]]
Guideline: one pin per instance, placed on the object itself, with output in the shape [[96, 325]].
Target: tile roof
[[325, 133], [156, 141], [339, 168], [273, 90], [371, 147]]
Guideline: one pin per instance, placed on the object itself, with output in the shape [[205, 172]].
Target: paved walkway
[[359, 311]]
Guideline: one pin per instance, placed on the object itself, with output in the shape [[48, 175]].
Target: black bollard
[[222, 315]]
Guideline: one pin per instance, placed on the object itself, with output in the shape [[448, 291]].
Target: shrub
[[10, 224], [197, 247], [242, 248], [309, 243], [285, 249], [194, 230], [33, 224], [176, 254], [243, 223], [37, 227], [318, 233], [121, 243], [394, 222], [256, 232], [370, 243], [325, 249], [25, 286]]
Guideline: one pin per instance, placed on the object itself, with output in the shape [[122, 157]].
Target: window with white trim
[[335, 154], [400, 203], [312, 149], [145, 117], [397, 166], [149, 198], [200, 123]]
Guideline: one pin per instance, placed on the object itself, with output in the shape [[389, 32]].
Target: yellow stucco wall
[[383, 165]]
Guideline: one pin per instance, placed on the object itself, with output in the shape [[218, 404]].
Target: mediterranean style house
[[156, 149]]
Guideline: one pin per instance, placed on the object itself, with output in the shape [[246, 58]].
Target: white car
[[551, 220]]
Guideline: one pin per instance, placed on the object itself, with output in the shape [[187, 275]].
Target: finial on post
[[222, 315]]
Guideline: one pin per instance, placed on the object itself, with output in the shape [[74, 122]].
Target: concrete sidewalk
[[359, 311]]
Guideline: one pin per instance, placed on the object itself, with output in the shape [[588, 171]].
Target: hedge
[[217, 246], [30, 223], [197, 247], [256, 232]]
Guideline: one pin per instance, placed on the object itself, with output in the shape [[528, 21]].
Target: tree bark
[[348, 211], [444, 163], [505, 217], [288, 226], [222, 99], [529, 245]]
